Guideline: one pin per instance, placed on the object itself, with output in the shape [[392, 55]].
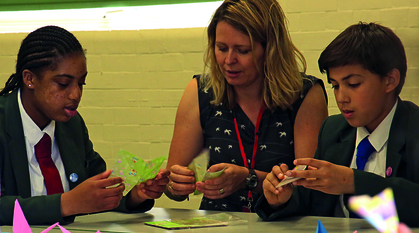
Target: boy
[[366, 65]]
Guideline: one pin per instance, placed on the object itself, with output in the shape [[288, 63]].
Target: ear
[[392, 80], [28, 78]]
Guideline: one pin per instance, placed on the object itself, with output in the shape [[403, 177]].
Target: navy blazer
[[76, 152], [337, 145]]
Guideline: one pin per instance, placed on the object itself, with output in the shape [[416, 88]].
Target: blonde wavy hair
[[265, 22]]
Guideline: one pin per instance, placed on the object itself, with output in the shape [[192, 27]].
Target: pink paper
[[20, 225], [63, 230], [50, 228]]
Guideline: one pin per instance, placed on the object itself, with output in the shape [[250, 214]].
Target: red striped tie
[[49, 170]]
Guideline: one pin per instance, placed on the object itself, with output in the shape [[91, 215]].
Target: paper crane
[[380, 210], [20, 224]]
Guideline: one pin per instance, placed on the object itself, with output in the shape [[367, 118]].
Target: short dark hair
[[39, 50], [375, 47]]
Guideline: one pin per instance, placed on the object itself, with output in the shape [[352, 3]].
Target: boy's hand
[[324, 176], [277, 196], [92, 195]]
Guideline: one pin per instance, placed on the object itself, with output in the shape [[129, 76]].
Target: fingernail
[[288, 173], [280, 175]]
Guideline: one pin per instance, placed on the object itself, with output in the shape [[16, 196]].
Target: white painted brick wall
[[136, 78]]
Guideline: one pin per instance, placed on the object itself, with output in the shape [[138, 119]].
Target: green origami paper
[[133, 170], [199, 166], [210, 220], [212, 175], [187, 223]]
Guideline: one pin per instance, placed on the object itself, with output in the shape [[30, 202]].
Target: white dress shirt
[[378, 138], [32, 136], [377, 161]]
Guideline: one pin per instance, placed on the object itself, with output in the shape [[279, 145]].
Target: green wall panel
[[20, 5]]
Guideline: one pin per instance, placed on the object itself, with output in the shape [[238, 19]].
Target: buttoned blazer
[[76, 152], [337, 145]]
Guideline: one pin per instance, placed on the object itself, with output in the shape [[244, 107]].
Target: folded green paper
[[199, 166], [134, 170]]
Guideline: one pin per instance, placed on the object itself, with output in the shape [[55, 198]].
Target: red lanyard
[[255, 145]]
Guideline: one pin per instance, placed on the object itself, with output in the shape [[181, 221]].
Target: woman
[[47, 161], [252, 111]]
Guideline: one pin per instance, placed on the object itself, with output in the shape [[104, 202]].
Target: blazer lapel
[[342, 151], [74, 164], [396, 138], [17, 146]]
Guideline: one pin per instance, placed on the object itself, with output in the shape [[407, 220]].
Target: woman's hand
[[182, 181], [277, 196], [227, 183], [92, 195]]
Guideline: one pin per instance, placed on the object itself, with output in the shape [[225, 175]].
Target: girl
[[47, 161]]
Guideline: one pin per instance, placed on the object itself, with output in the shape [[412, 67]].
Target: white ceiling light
[[115, 18]]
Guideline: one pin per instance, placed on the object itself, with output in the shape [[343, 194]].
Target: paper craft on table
[[20, 224], [133, 170], [187, 223], [320, 227], [288, 180], [380, 210], [199, 166], [211, 220]]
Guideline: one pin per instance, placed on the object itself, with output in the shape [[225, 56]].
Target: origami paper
[[320, 227], [187, 223], [20, 224], [288, 180], [212, 175], [199, 166], [63, 230], [134, 170], [211, 220], [380, 210]]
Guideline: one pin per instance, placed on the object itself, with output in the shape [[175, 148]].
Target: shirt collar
[[30, 129], [379, 136]]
